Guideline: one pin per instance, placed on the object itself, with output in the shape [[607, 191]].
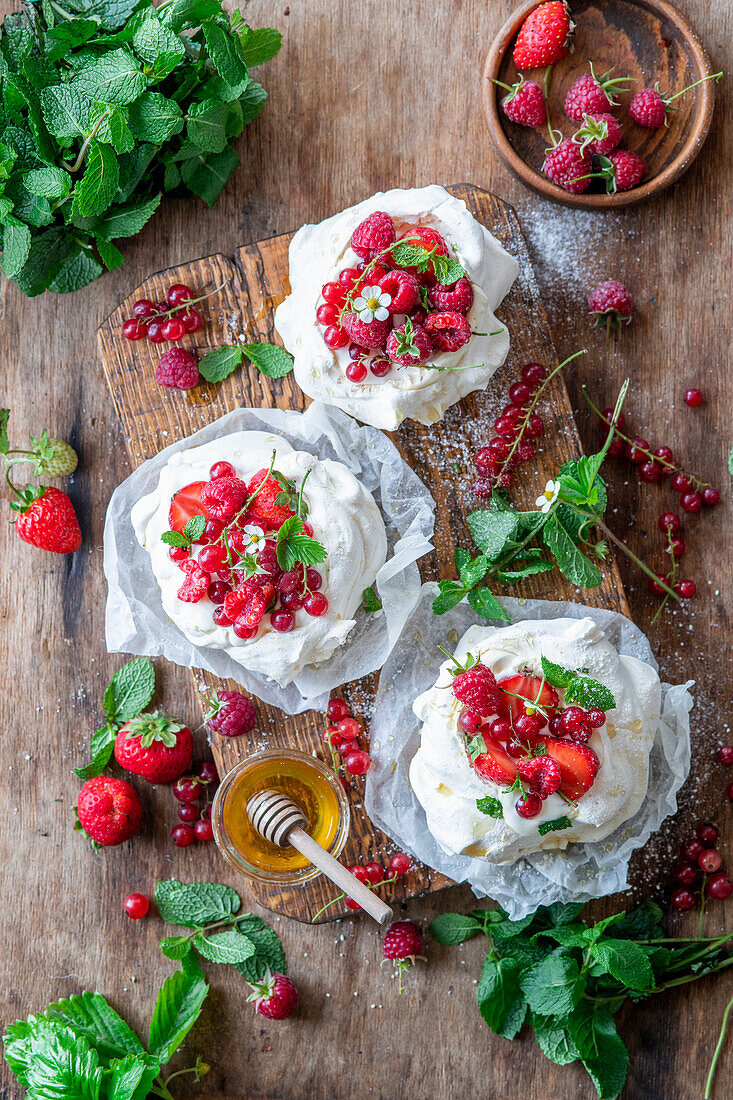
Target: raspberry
[[246, 605], [197, 581], [224, 497], [648, 109], [568, 166], [177, 369], [592, 95], [598, 134], [231, 714], [622, 170], [275, 997], [525, 104], [373, 235], [611, 304], [372, 334], [477, 690], [403, 288], [448, 331], [457, 298], [409, 345], [402, 940]]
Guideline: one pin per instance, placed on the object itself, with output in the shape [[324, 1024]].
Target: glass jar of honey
[[308, 782]]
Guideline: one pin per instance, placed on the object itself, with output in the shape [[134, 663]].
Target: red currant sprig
[[371, 875], [169, 321], [341, 736]]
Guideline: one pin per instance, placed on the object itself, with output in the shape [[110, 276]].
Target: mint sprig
[[192, 532], [490, 806], [578, 687], [128, 693], [555, 825], [567, 979], [270, 360]]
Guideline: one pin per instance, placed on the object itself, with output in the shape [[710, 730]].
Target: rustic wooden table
[[363, 96]]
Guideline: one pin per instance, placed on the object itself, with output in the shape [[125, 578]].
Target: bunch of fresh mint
[[81, 1048], [104, 105], [567, 979]]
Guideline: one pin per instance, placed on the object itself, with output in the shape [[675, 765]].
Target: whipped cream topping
[[345, 520], [319, 252], [447, 786]]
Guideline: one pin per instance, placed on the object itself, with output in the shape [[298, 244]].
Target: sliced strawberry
[[495, 764], [578, 766], [186, 504], [263, 507], [529, 688]]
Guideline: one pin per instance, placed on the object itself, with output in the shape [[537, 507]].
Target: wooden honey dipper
[[282, 822]]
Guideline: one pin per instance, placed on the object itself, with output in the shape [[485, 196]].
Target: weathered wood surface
[[153, 418], [338, 126]]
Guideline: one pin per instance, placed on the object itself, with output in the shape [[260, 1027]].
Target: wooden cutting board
[[252, 285]]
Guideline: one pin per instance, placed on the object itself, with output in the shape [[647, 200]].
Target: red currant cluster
[[700, 859], [341, 736], [671, 524], [373, 874], [195, 819], [236, 512], [516, 427], [725, 756], [164, 321]]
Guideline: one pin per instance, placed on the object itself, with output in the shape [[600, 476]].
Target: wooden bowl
[[645, 39]]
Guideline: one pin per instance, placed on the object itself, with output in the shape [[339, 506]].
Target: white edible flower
[[253, 539], [371, 305], [550, 495]]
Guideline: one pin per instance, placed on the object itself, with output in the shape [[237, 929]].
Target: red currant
[[221, 469], [203, 830], [709, 860], [212, 558], [637, 451], [143, 308], [692, 849], [360, 873], [212, 530], [186, 789], [681, 483], [573, 719], [468, 722], [596, 718], [535, 427], [349, 277], [683, 900], [316, 604], [136, 906], [693, 398], [616, 447], [528, 806], [178, 553], [173, 329], [155, 332], [691, 502], [533, 374], [525, 452], [719, 886], [527, 725], [335, 337], [654, 584], [349, 728], [399, 864], [191, 320], [133, 330], [282, 621], [676, 547], [729, 791], [710, 496], [218, 592], [707, 833], [221, 618], [337, 709], [685, 873], [519, 393], [178, 294], [244, 632], [357, 372], [333, 293], [327, 314], [620, 419], [183, 835], [380, 367], [357, 762], [650, 473], [686, 589], [207, 773], [725, 755], [188, 812], [375, 873], [501, 729], [666, 460], [505, 479], [483, 487], [351, 904], [505, 427]]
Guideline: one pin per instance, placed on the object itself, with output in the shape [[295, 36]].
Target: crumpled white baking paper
[[136, 622], [581, 871]]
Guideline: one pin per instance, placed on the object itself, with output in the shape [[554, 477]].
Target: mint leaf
[[60, 40], [48, 182], [252, 101], [270, 359], [553, 826], [206, 126], [65, 111], [490, 806], [473, 571], [94, 192], [450, 595], [194, 528], [454, 928], [260, 45], [571, 561], [527, 569], [730, 461], [500, 998], [554, 986], [196, 904], [113, 77], [184, 14], [602, 1052], [642, 923], [217, 365], [175, 538], [77, 270], [16, 246], [625, 961], [268, 954], [554, 1040], [556, 675], [493, 532], [109, 254], [224, 947], [447, 271], [589, 693], [154, 117], [175, 947], [485, 603], [130, 690], [226, 52], [176, 1010], [207, 176], [153, 38], [370, 601], [125, 220]]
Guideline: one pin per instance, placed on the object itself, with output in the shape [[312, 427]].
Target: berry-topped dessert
[[261, 550], [534, 736], [391, 307]]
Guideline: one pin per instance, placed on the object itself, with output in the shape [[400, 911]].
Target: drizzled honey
[[299, 778]]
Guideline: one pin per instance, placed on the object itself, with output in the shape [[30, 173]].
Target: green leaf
[[258, 46], [126, 220], [224, 947], [90, 1017], [207, 176], [112, 130], [131, 1077], [450, 595], [252, 101], [4, 441], [554, 986], [184, 14], [601, 1050], [196, 904], [473, 571], [102, 747], [109, 254], [589, 693], [447, 271], [270, 359], [299, 548], [528, 569], [130, 690], [176, 1010], [493, 532], [269, 953], [642, 923], [206, 126], [95, 191], [194, 528], [61, 1064], [370, 601], [48, 182], [485, 603], [78, 270], [556, 675], [217, 365], [16, 246], [65, 111], [113, 77], [555, 825], [31, 209], [64, 37], [48, 251], [152, 38], [226, 52], [490, 806], [175, 947], [730, 461], [175, 538], [110, 13], [153, 117], [580, 483], [454, 928], [500, 997], [554, 1040], [572, 562], [625, 961]]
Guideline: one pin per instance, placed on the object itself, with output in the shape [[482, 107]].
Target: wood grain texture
[[154, 417], [342, 121]]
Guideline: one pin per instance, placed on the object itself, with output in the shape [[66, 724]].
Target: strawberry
[[532, 690], [197, 581], [53, 457], [578, 766], [155, 747], [186, 504], [264, 507], [47, 519], [544, 36], [495, 764], [109, 810]]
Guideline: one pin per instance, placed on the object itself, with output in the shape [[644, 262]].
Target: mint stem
[[716, 1053]]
